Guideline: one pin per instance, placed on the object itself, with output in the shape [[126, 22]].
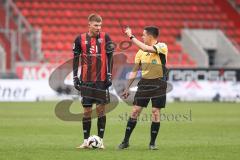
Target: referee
[[93, 50], [151, 60]]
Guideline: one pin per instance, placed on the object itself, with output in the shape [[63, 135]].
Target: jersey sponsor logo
[[92, 49], [154, 61]]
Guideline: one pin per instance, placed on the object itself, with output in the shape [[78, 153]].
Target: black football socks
[[154, 132], [101, 123], [130, 126], [86, 127]]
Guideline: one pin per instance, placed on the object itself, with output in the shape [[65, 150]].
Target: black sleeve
[[109, 50], [155, 48], [76, 53]]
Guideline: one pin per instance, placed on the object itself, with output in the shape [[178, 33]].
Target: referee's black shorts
[[94, 93], [151, 89]]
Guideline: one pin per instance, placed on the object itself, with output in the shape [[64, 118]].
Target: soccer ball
[[94, 142]]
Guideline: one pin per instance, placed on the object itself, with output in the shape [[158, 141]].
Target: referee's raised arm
[[140, 44], [159, 48]]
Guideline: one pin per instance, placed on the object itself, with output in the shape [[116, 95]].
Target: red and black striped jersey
[[95, 55]]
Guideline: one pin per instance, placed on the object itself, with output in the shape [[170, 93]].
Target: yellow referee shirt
[[152, 63]]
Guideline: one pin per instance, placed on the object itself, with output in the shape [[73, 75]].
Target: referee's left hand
[[125, 94]]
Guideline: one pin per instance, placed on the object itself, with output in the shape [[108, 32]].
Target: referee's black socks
[[86, 126], [130, 126], [154, 132], [101, 123]]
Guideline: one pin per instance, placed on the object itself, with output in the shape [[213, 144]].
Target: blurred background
[[203, 38]]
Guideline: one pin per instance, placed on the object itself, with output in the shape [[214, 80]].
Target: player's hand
[[108, 82], [128, 31], [125, 93], [77, 83]]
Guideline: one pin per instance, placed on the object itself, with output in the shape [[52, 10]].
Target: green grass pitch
[[188, 131]]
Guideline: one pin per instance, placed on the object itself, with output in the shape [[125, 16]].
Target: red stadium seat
[[62, 21]]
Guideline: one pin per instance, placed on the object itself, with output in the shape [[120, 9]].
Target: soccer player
[[94, 51], [151, 60]]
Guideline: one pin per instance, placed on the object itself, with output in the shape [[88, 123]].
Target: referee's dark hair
[[94, 17], [152, 30]]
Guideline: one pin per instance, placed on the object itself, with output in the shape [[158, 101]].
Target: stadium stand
[[13, 36], [4, 42], [61, 21]]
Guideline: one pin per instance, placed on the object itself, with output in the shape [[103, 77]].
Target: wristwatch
[[131, 37]]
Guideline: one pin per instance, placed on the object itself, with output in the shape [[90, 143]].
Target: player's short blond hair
[[94, 18]]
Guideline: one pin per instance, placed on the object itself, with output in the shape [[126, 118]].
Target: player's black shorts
[[151, 89], [94, 93]]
